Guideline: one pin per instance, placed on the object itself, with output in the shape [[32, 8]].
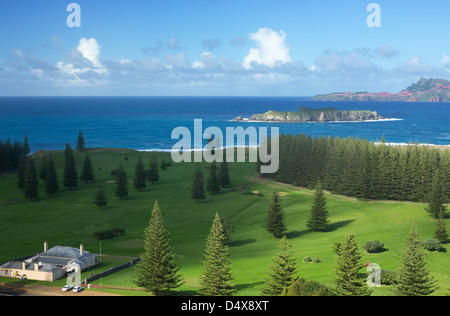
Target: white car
[[67, 288], [77, 289]]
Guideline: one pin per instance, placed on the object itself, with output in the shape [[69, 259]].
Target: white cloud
[[271, 49], [90, 49]]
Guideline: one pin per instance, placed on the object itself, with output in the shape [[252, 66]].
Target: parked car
[[77, 289], [67, 288]]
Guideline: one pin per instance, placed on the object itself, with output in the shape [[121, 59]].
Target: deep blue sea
[[146, 123]]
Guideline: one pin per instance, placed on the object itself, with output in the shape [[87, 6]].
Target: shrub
[[373, 246], [108, 234], [307, 259], [433, 245], [315, 260], [301, 287], [388, 277]]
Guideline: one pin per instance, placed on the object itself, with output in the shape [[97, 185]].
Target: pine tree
[[281, 274], [440, 232], [198, 191], [31, 181], [100, 198], [216, 278], [318, 220], [213, 183], [26, 147], [275, 216], [70, 171], [80, 142], [43, 168], [436, 199], [87, 173], [121, 183], [157, 271], [139, 175], [153, 175], [413, 278], [21, 174], [349, 280], [51, 181], [224, 175]]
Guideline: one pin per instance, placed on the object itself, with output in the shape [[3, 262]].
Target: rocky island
[[307, 115], [425, 90]]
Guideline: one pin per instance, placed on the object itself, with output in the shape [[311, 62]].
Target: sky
[[220, 47]]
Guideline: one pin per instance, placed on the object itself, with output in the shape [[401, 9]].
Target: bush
[[307, 259], [315, 260], [388, 277], [108, 234], [433, 245], [301, 287], [373, 246]]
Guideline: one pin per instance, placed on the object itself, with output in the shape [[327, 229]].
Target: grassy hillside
[[70, 218]]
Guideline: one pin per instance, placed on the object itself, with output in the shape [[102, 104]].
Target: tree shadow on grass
[[240, 287], [337, 225], [296, 234], [242, 242]]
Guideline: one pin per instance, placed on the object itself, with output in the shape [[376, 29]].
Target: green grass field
[[70, 218]]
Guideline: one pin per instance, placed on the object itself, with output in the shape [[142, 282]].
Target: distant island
[[425, 90], [307, 115]]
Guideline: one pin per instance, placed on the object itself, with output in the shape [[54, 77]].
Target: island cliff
[[306, 115], [425, 90]]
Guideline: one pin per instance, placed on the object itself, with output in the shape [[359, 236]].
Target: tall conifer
[[213, 182], [139, 175], [281, 274], [121, 183], [51, 179], [350, 280], [100, 198], [216, 278], [70, 171], [87, 173], [157, 271], [197, 190], [318, 220], [275, 223], [80, 142], [153, 174], [413, 278]]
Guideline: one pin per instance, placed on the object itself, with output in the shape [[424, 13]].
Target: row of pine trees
[[12, 153], [356, 167]]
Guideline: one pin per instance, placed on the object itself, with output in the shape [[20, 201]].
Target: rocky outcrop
[[306, 115]]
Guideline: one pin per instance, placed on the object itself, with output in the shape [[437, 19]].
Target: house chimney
[[24, 265], [45, 246], [81, 249]]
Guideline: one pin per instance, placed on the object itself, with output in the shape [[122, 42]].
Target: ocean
[[146, 123]]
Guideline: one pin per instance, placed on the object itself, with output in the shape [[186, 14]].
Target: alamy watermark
[[374, 278], [190, 148]]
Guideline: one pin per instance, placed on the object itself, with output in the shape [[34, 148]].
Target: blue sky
[[220, 47]]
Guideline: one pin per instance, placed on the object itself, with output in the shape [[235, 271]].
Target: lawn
[[70, 218]]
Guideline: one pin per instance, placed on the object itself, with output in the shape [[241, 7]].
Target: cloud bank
[[267, 68]]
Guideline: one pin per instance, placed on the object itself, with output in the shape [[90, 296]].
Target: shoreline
[[444, 147]]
